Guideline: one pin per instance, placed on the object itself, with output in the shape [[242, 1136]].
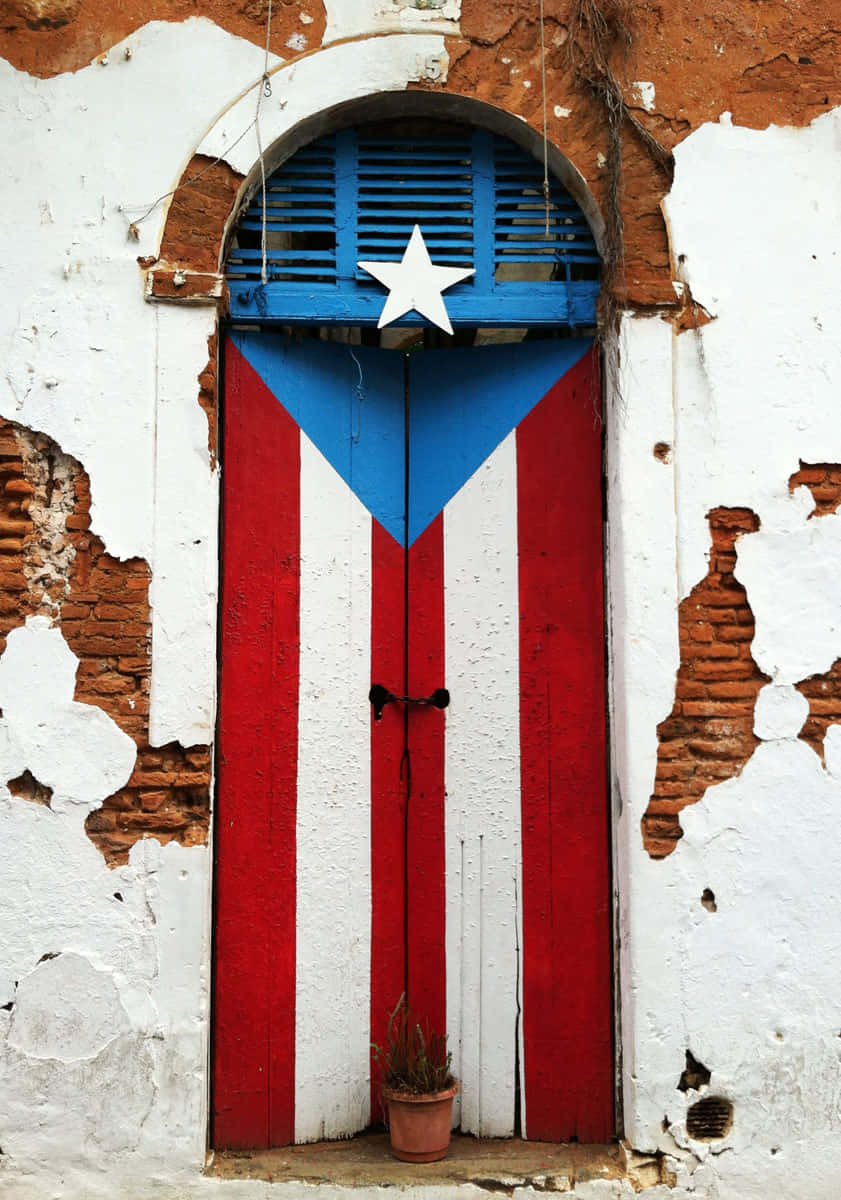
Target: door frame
[[279, 153]]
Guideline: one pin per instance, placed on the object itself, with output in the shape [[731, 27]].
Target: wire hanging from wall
[[264, 91], [546, 192], [133, 230], [359, 394]]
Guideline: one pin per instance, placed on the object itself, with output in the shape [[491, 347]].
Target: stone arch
[[217, 183]]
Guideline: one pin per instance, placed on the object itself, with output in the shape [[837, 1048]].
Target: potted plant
[[418, 1087]]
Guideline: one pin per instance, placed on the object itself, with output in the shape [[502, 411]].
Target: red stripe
[[388, 956], [567, 1024], [426, 879], [254, 988]]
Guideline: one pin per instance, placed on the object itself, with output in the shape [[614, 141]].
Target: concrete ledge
[[499, 1165]]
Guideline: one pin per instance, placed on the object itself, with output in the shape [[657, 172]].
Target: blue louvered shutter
[[357, 194]]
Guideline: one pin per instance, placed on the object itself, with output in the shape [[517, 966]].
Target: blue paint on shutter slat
[[478, 200]]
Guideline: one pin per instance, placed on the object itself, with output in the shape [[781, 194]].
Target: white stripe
[[482, 771], [332, 1024]]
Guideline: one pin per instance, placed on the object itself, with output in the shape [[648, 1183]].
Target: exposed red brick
[[708, 737], [823, 693], [102, 606], [15, 529], [197, 215], [207, 395], [176, 810], [824, 482]]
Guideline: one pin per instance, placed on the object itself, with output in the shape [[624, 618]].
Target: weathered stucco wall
[[724, 401]]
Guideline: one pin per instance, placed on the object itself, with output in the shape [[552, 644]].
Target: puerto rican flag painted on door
[[422, 521]]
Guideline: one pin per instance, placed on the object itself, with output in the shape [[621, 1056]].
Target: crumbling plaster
[[365, 17], [103, 974], [739, 400], [752, 988]]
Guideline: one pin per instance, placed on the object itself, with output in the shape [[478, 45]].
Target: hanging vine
[[600, 41]]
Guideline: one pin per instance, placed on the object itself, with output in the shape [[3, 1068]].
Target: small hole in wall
[[27, 787], [117, 896], [7, 1007], [695, 1075], [710, 1120], [775, 1149], [664, 1124], [663, 452], [778, 1036], [708, 900], [46, 957]]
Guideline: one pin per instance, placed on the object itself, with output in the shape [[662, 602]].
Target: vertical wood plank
[[425, 744], [483, 791], [567, 1024], [388, 793], [333, 827], [254, 985]]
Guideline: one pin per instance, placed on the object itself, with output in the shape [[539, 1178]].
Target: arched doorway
[[412, 513]]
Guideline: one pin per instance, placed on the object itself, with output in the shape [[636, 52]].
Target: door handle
[[380, 696]]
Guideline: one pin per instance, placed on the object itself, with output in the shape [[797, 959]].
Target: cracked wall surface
[[101, 606], [728, 943], [708, 737], [108, 545]]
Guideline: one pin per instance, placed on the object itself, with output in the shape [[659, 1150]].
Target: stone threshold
[[498, 1164]]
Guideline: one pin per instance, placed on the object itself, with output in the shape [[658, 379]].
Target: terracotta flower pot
[[419, 1126]]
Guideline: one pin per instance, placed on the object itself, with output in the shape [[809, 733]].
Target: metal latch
[[380, 696]]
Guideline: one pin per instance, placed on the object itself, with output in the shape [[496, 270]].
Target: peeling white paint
[[751, 989], [757, 388], [336, 75], [103, 1050], [780, 712], [186, 556], [67, 1010], [102, 1042], [75, 749], [644, 93], [357, 18]]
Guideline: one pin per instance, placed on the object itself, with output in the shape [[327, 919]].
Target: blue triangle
[[463, 403], [359, 433]]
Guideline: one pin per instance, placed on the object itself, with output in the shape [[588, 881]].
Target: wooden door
[[417, 523]]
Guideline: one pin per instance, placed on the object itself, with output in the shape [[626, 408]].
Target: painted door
[[414, 522]]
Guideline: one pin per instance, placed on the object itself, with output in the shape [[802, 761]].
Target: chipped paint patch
[[75, 749], [358, 18], [644, 92], [340, 73]]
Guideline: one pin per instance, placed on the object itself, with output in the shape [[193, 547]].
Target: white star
[[415, 284]]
